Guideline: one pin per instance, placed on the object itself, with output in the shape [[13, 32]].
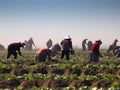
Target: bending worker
[[13, 48], [43, 53], [95, 53]]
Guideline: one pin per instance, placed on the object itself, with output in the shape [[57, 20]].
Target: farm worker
[[41, 54], [117, 52], [84, 43], [26, 46], [66, 45], [95, 53], [49, 43], [89, 45], [115, 48], [30, 42], [13, 48], [55, 48], [111, 47]]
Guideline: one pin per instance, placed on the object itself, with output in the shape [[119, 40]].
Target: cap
[[67, 37]]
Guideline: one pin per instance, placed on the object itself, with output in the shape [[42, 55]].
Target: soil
[[59, 83]]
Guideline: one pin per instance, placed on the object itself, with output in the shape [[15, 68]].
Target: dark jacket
[[66, 44], [15, 47]]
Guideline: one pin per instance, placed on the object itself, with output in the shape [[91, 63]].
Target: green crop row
[[60, 66], [56, 77], [112, 87]]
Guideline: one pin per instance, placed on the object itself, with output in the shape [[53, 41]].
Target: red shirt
[[95, 47]]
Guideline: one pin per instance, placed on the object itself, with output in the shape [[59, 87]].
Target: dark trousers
[[40, 58], [12, 53], [84, 47], [94, 56], [65, 53]]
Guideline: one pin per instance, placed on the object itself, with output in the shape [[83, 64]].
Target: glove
[[72, 52]]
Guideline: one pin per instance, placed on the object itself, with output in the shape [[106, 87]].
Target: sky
[[55, 19]]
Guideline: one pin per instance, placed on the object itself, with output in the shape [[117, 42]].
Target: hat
[[67, 37], [99, 41], [22, 44], [116, 40]]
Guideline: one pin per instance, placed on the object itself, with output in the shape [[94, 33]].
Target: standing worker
[[89, 45], [30, 43], [66, 47], [84, 43]]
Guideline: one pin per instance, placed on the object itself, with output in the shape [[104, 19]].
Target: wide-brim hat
[[67, 37]]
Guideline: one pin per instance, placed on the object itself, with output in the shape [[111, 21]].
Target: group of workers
[[42, 53], [85, 45], [29, 44], [13, 48], [65, 47]]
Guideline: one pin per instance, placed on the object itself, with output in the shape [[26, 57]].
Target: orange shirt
[[44, 51]]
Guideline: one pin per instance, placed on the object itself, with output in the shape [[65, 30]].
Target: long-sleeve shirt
[[95, 47], [66, 44], [14, 47]]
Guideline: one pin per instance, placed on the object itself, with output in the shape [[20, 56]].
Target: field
[[76, 74]]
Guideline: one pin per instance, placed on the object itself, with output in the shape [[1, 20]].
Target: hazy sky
[[44, 19]]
